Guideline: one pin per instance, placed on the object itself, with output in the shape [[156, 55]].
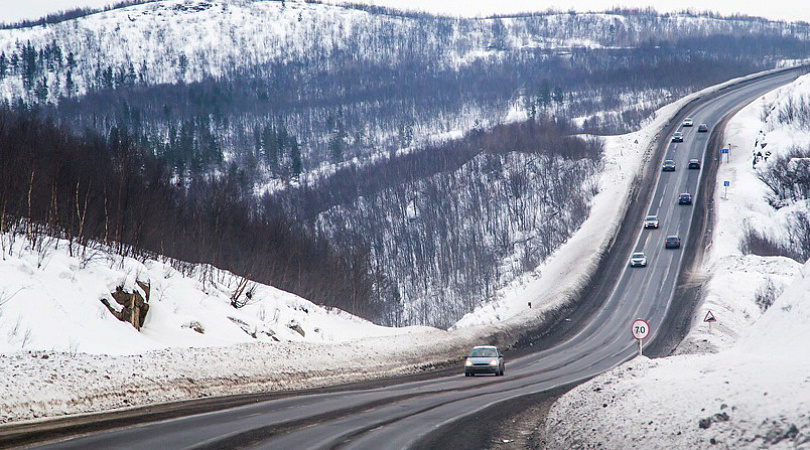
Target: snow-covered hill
[[754, 392], [64, 353], [175, 41], [52, 301]]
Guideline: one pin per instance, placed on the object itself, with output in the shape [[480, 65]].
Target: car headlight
[[468, 363], [494, 362]]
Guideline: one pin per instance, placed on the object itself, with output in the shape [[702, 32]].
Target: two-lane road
[[399, 416]]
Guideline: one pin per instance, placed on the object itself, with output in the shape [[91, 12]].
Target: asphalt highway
[[402, 415]]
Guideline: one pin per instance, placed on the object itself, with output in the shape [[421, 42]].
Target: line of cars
[[488, 359], [669, 165], [688, 122], [639, 259]]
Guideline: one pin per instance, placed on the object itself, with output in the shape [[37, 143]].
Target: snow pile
[[757, 391]]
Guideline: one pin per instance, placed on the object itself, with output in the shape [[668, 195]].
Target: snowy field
[[745, 383]]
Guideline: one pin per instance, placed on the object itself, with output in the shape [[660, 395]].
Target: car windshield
[[483, 352], [672, 239], [651, 218], [638, 255]]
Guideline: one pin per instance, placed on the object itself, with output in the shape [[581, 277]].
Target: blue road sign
[[724, 151], [726, 183]]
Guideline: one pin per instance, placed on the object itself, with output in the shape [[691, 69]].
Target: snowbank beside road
[[756, 392], [63, 352]]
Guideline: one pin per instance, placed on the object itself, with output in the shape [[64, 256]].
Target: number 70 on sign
[[640, 329]]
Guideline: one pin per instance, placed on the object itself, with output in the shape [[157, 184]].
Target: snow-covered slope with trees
[[174, 41], [751, 389], [52, 301], [81, 365], [295, 99]]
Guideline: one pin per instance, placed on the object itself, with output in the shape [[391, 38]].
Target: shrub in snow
[[194, 325]]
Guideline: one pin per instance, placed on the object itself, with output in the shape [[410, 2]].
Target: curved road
[[401, 415]]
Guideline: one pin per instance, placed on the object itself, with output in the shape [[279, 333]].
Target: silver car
[[651, 222], [638, 260], [484, 359]]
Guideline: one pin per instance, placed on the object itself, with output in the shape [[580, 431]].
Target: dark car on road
[[685, 199], [668, 166], [677, 136], [672, 242], [702, 128], [484, 359], [694, 164]]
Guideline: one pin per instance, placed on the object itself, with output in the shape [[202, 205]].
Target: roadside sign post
[[640, 330], [724, 151], [726, 184], [710, 319]]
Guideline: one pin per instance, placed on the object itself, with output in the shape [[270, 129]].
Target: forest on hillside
[[109, 193]]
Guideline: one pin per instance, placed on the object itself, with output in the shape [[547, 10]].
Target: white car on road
[[638, 260]]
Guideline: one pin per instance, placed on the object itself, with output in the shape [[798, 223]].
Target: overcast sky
[[15, 10]]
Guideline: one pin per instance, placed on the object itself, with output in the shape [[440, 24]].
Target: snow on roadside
[[60, 346], [754, 393]]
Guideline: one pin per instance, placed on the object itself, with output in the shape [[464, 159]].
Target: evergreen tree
[[41, 90], [295, 159], [69, 83], [336, 147], [29, 66]]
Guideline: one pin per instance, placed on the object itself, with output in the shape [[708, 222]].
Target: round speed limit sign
[[640, 329]]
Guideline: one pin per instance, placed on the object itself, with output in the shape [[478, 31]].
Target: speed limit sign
[[640, 329]]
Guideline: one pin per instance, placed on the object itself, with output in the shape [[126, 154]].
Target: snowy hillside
[[80, 358], [754, 391], [51, 301], [174, 41]]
